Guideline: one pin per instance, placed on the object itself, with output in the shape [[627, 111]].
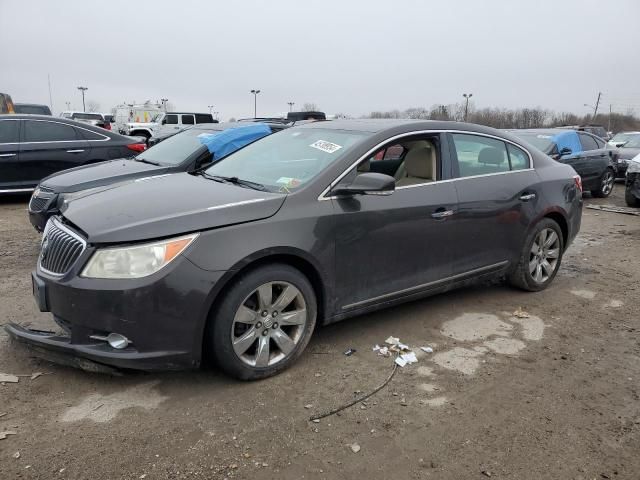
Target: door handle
[[527, 196], [75, 151], [7, 155], [441, 214]]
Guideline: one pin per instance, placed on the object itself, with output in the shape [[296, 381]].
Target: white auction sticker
[[325, 146]]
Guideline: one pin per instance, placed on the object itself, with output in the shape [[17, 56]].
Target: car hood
[[166, 205], [628, 153], [99, 174]]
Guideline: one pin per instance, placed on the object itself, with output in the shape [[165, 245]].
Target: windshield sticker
[[543, 136], [325, 146], [288, 182]]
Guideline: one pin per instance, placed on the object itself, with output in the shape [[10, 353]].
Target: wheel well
[[562, 222], [304, 266], [142, 133]]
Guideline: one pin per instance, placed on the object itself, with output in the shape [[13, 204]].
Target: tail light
[[578, 181], [107, 126], [137, 147]]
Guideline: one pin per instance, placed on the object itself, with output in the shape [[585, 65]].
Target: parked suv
[[90, 118], [165, 124], [32, 108]]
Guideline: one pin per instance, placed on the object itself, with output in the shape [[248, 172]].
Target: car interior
[[410, 162]]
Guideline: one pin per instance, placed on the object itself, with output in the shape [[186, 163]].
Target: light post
[[255, 102], [467, 96], [291, 104], [83, 89], [210, 108], [164, 104], [216, 114], [68, 105]]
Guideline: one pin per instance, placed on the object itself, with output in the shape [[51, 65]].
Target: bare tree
[[93, 106], [310, 107]]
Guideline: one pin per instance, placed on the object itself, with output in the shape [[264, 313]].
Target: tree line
[[513, 118]]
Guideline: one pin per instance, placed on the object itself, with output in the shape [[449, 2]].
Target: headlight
[[633, 166], [136, 261]]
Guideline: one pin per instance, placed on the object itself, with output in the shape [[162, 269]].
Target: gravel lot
[[555, 395]]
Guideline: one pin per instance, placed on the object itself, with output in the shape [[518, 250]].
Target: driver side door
[[398, 245]]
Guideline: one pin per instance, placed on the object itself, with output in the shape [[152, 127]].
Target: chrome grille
[[60, 249], [40, 198]]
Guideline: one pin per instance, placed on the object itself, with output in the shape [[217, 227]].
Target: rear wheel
[[606, 184], [264, 322], [540, 258]]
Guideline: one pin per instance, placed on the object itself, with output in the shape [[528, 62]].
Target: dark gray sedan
[[308, 226]]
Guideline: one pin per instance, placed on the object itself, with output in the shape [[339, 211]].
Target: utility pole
[[68, 105], [50, 100], [609, 122], [83, 89], [255, 102], [467, 96], [216, 114], [291, 104], [595, 110]]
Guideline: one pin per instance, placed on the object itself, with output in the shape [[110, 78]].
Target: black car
[[632, 182], [32, 108], [628, 145], [587, 154], [183, 152], [33, 147], [305, 227]]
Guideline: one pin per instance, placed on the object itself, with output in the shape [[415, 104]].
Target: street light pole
[[255, 102], [210, 108], [291, 104], [83, 89], [216, 114], [467, 96], [164, 104]]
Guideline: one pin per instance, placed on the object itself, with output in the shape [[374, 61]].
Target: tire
[[606, 184], [631, 199], [522, 276], [243, 326]]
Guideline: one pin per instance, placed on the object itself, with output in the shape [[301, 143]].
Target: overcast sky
[[349, 56]]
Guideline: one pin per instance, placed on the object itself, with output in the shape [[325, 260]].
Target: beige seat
[[419, 165]]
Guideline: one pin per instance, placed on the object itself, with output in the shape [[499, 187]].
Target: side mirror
[[368, 183], [164, 121], [565, 151]]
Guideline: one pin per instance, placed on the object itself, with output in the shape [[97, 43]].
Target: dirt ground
[[555, 395]]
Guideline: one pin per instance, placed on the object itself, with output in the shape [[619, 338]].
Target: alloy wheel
[[269, 324], [607, 182], [544, 255]]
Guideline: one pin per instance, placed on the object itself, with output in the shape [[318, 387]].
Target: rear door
[[595, 161], [50, 146], [11, 176], [497, 196]]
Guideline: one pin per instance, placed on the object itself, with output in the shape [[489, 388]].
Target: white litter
[[6, 433], [409, 357], [392, 341], [427, 349], [8, 378], [401, 361]]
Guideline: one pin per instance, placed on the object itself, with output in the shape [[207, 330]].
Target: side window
[[48, 132], [518, 158], [480, 155], [171, 119], [9, 131], [187, 120], [203, 118], [588, 142]]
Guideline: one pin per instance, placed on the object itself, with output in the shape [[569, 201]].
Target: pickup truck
[[165, 124]]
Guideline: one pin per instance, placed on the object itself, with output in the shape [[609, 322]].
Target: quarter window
[[480, 155], [171, 119], [187, 120], [48, 132], [518, 158], [203, 118], [9, 131], [88, 135]]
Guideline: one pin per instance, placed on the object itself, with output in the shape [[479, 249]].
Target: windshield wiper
[[144, 160], [235, 181]]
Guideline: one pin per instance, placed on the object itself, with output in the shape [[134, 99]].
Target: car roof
[[188, 113], [401, 125], [32, 104]]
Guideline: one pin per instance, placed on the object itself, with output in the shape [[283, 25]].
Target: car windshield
[[542, 141], [176, 149], [631, 140], [87, 116], [287, 160]]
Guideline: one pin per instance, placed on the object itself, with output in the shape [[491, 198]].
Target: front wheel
[[264, 322], [630, 198], [540, 257], [606, 184]]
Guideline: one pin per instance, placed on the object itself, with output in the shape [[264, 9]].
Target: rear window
[[9, 131], [32, 109], [542, 141], [203, 118], [42, 131], [588, 142], [87, 116]]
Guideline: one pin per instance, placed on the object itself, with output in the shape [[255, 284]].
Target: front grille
[[40, 198], [61, 248]]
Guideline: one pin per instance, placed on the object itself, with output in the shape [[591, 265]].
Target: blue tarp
[[228, 141], [568, 139]]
